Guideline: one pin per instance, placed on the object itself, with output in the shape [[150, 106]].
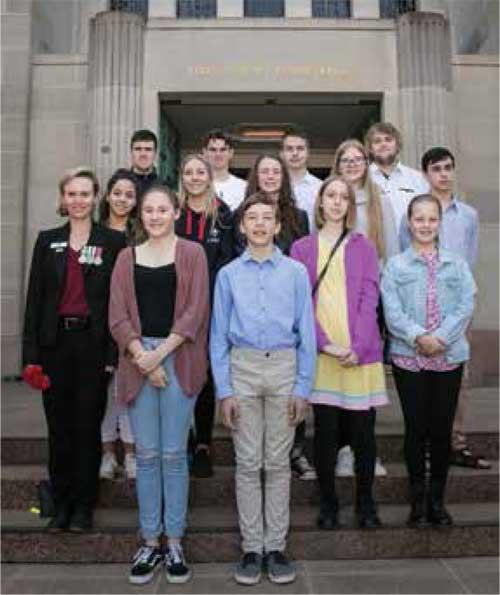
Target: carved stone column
[[425, 81], [116, 60]]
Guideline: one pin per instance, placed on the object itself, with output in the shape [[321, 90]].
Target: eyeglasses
[[353, 161]]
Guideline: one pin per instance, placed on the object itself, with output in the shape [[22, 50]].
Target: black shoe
[[176, 570], [327, 519], [145, 563], [81, 521], [202, 463], [368, 519], [60, 522], [417, 517], [438, 516]]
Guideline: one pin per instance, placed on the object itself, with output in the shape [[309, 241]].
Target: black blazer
[[46, 283]]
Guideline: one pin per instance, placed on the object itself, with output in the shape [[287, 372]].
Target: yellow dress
[[359, 387]]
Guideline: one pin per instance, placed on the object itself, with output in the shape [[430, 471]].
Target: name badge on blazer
[[59, 246]]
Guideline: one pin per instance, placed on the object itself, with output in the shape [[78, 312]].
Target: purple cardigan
[[362, 289]]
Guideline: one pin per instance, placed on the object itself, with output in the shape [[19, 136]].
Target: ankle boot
[[418, 514], [436, 511], [327, 518]]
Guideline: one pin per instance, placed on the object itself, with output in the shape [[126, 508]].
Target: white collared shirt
[[402, 184], [305, 191]]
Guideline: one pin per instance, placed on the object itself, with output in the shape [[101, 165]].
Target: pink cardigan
[[191, 317]]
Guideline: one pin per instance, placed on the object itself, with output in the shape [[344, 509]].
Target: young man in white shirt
[[398, 183], [218, 150], [295, 153]]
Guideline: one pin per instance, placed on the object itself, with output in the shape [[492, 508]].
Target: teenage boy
[[459, 234], [262, 351], [143, 149], [218, 150], [295, 154], [397, 182]]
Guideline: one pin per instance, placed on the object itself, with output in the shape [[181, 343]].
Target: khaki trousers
[[263, 383]]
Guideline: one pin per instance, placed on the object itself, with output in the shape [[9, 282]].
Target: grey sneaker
[[279, 569], [249, 569]]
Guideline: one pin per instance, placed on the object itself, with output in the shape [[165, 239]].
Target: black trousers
[[74, 408], [330, 423], [428, 400], [204, 412]]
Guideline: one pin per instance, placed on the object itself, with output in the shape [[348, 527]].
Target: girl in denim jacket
[[428, 302]]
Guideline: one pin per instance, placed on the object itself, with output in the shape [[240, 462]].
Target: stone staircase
[[213, 528]]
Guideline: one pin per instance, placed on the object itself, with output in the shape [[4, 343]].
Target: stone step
[[33, 450], [213, 536], [19, 487]]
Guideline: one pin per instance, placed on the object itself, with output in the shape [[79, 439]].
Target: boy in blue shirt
[[262, 351]]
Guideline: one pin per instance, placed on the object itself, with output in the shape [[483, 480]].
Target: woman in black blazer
[[66, 333]]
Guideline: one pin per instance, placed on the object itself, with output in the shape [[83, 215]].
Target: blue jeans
[[160, 419]]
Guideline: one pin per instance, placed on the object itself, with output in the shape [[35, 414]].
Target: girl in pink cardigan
[[158, 316]]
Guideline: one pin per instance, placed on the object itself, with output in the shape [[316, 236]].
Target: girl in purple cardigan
[[343, 271]]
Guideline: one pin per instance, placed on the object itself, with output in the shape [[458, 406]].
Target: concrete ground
[[443, 575]]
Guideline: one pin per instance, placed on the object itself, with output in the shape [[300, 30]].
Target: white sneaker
[[345, 462], [380, 470], [130, 465], [108, 466]]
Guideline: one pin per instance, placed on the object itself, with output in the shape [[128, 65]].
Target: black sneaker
[[144, 564], [202, 463], [176, 570], [81, 521]]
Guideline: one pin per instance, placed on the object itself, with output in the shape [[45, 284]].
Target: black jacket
[[46, 283], [217, 239]]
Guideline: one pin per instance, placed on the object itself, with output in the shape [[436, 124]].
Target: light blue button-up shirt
[[458, 232], [264, 305]]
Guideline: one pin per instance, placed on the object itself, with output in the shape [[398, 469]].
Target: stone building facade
[[78, 76]]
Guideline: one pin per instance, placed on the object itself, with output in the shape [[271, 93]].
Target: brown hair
[[258, 198], [373, 207], [286, 200], [69, 175], [382, 128], [319, 218], [139, 231], [420, 198]]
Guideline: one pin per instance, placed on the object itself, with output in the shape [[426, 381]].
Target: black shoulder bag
[[321, 276]]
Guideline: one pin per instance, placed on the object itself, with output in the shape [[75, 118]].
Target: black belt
[[74, 323]]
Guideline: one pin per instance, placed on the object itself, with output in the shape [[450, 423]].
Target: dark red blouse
[[73, 302]]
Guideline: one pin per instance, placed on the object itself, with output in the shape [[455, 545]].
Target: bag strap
[[321, 276]]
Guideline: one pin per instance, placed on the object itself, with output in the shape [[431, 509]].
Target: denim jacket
[[404, 294]]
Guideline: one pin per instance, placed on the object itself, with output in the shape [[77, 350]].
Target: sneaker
[[144, 564], [380, 470], [176, 570], [279, 569], [130, 465], [345, 462], [302, 468], [202, 463], [108, 466], [249, 569]]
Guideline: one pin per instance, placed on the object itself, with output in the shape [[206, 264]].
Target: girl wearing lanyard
[[118, 210], [428, 302], [343, 270], [159, 318], [207, 220], [67, 346]]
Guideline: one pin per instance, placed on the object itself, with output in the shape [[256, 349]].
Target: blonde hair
[[319, 216], [374, 206], [82, 171], [211, 207]]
